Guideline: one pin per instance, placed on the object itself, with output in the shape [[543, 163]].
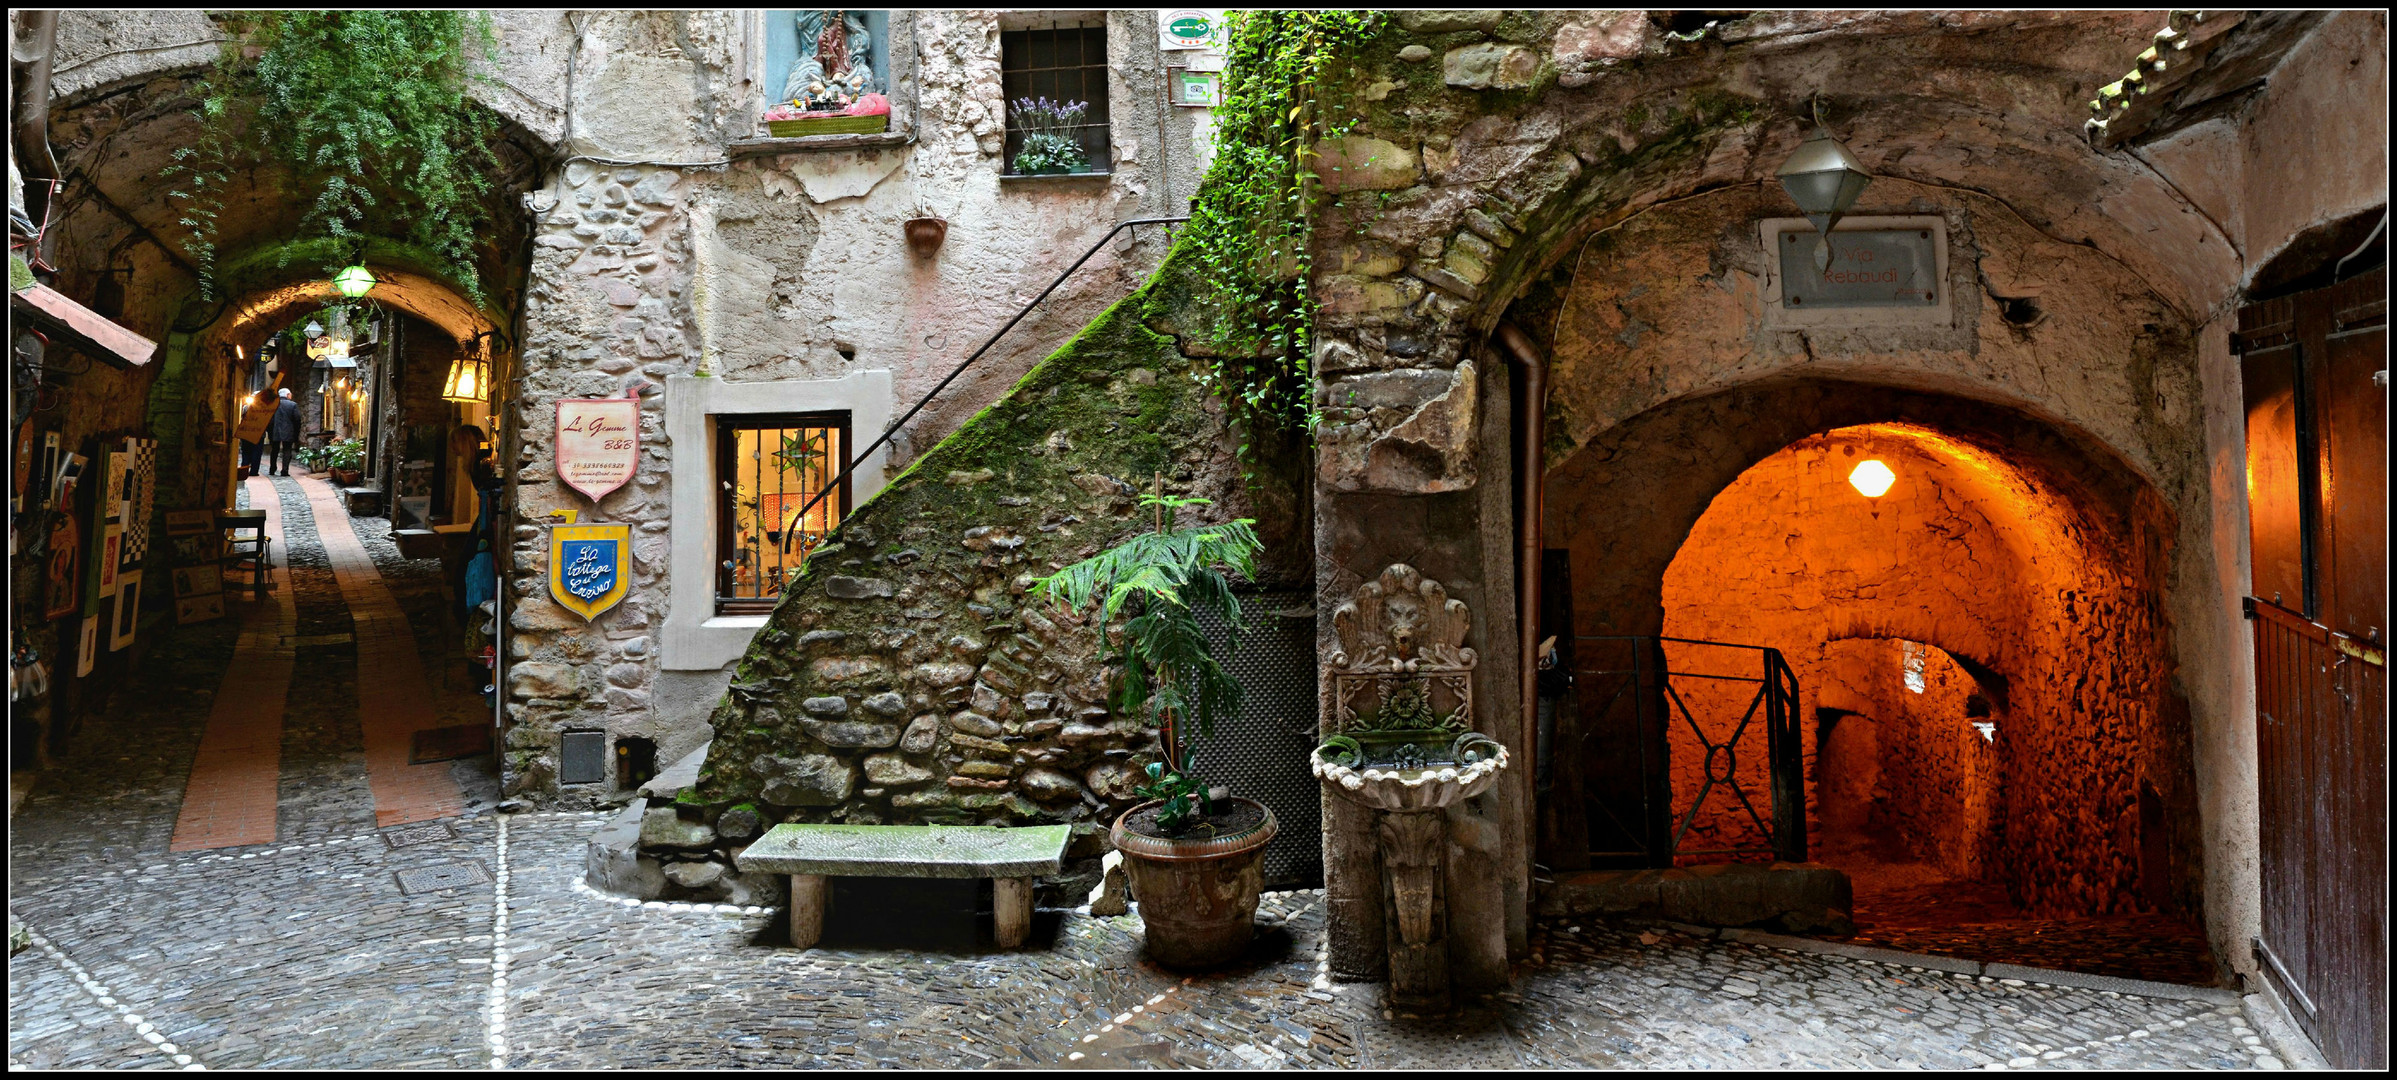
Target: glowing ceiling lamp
[[1872, 478], [353, 281]]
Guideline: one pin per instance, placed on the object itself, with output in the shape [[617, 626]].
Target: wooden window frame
[[726, 425], [1019, 80]]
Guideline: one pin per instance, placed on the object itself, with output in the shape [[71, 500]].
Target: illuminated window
[[767, 468]]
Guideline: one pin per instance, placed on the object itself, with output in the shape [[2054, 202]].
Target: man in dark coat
[[284, 432]]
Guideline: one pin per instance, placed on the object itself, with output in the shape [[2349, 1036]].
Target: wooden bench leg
[[807, 909], [1011, 910]]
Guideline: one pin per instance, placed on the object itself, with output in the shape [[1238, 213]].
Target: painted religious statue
[[835, 65]]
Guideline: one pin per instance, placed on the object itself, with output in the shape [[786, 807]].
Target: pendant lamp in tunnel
[[1871, 478], [353, 281]]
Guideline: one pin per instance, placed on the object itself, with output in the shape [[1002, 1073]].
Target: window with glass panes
[[767, 468], [1062, 64]]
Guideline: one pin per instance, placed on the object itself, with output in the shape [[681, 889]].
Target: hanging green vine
[[369, 110], [1253, 218]]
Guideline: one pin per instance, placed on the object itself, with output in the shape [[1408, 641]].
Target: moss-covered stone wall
[[905, 677]]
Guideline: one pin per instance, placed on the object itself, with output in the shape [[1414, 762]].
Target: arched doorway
[[1984, 721]]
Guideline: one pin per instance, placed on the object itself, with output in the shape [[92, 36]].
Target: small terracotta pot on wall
[[924, 235], [1198, 897]]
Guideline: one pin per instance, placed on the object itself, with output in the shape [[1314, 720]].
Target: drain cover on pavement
[[426, 879], [423, 832], [449, 743]]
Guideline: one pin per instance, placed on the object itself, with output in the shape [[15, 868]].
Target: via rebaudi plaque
[[1882, 271]]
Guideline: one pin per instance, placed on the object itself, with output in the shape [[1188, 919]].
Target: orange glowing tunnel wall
[[1970, 593]]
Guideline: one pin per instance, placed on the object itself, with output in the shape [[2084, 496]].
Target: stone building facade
[[1554, 331]]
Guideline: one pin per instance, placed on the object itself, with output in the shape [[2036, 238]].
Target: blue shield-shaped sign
[[587, 571]]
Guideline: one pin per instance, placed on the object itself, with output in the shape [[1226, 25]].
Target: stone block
[[806, 780], [886, 704], [612, 859], [1413, 54], [541, 680], [755, 890], [682, 774], [1356, 163], [840, 587], [988, 770], [945, 674], [852, 734], [847, 670], [921, 734], [980, 745], [695, 875], [1606, 38], [1449, 22], [663, 827], [826, 706], [1491, 66], [1113, 894], [738, 823], [974, 723], [891, 770], [1049, 785]]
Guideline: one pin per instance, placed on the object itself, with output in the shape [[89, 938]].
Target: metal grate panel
[[425, 879], [583, 757], [423, 832], [1262, 754]]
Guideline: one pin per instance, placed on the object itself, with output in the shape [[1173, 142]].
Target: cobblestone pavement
[[471, 943], [1918, 909]]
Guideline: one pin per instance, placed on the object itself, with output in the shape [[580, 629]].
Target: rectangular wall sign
[[599, 443]]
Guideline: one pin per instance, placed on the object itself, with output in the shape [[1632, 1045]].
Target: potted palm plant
[[1192, 855]]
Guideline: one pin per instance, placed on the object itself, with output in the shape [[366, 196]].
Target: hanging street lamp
[[1825, 180], [470, 374], [353, 281]]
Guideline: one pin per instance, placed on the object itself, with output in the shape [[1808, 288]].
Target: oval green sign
[[1189, 27]]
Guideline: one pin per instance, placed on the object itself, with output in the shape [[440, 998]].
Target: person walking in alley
[[284, 432]]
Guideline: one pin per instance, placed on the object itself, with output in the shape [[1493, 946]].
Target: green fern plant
[[1169, 667]]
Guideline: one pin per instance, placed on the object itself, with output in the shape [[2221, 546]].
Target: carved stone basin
[[1397, 789]]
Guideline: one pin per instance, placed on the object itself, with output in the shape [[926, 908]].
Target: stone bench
[[811, 853]]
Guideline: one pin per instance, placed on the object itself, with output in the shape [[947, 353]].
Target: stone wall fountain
[[1401, 743]]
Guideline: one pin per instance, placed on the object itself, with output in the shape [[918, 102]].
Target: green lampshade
[[353, 281]]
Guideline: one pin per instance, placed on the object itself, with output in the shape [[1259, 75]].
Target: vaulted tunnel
[[1985, 688]]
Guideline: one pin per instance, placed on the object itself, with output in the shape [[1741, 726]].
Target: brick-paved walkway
[[230, 798], [326, 948]]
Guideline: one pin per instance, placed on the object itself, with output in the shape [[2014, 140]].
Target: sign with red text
[[599, 443]]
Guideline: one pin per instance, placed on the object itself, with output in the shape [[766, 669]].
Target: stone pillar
[[1011, 910], [807, 910], [1412, 846]]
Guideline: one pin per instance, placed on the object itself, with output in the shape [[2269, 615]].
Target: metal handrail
[[789, 528]]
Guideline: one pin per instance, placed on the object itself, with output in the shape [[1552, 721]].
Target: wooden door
[[2314, 367]]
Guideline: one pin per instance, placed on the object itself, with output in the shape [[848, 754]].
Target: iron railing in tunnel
[[1614, 756]]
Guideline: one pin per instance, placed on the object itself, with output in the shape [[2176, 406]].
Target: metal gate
[[2314, 368], [1613, 762], [1262, 753]]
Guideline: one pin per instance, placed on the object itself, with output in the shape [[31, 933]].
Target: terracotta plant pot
[[1198, 897], [925, 234], [347, 477]]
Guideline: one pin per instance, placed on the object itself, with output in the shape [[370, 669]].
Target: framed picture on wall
[[127, 617], [87, 646], [66, 557], [112, 544]]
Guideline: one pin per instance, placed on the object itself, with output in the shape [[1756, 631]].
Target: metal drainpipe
[[1533, 369], [32, 42]]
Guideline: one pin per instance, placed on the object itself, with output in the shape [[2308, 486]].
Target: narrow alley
[[269, 883]]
